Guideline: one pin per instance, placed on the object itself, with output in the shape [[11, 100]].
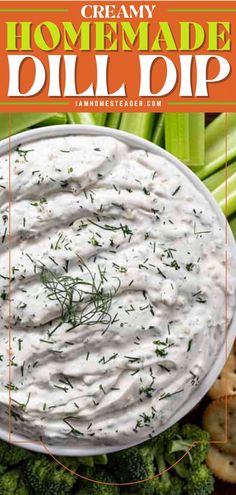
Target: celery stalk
[[225, 195], [197, 139], [140, 124], [159, 130], [113, 120], [19, 122], [100, 118], [218, 148], [215, 180], [81, 118], [177, 135], [56, 119], [184, 137]]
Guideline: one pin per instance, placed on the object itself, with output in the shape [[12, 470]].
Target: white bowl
[[208, 380]]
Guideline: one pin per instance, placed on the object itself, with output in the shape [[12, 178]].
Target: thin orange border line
[[163, 1], [10, 329], [226, 264], [9, 275]]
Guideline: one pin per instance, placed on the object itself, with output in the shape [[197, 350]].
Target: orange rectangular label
[[118, 56]]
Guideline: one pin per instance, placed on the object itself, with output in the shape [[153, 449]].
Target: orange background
[[123, 66]]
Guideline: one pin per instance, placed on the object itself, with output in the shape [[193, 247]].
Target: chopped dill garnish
[[133, 359], [102, 389], [199, 297], [3, 295], [23, 153], [189, 267], [168, 395], [189, 345], [145, 190], [176, 191], [73, 431], [103, 360], [161, 347]]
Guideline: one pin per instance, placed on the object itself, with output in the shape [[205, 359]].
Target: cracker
[[226, 381], [220, 420], [222, 465]]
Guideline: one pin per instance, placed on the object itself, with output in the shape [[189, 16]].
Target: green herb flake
[[4, 295], [189, 345]]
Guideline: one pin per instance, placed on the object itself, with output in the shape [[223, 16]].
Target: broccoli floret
[[74, 463], [71, 463], [183, 443], [169, 434], [10, 455], [11, 483], [200, 481], [47, 477], [166, 484], [101, 459], [134, 464], [182, 467], [192, 433], [3, 469], [90, 488], [159, 443]]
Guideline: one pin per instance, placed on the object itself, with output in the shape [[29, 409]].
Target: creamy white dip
[[117, 290]]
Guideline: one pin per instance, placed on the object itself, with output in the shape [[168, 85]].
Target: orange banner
[[118, 56]]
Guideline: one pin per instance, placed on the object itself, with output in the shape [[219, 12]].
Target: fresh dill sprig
[[83, 301]]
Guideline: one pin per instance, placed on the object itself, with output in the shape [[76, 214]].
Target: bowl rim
[[140, 143]]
